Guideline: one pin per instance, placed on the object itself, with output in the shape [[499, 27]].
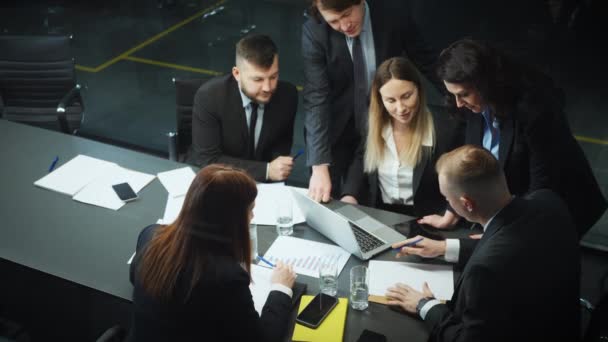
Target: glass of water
[[253, 237], [285, 214], [359, 287], [328, 277]]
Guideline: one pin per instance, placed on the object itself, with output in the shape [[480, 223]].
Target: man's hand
[[406, 297], [319, 187], [349, 199], [426, 248], [448, 220], [280, 168]]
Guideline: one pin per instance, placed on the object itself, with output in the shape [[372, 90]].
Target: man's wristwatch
[[421, 303]]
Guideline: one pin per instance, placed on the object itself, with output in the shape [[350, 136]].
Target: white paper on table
[[131, 259], [177, 181], [305, 255], [384, 274], [265, 210], [260, 286], [172, 209], [74, 175], [100, 192]]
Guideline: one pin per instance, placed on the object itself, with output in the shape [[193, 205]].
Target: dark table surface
[[90, 245]]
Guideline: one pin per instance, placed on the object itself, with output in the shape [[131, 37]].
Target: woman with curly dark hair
[[517, 113]]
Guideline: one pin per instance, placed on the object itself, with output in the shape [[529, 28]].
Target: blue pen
[[265, 261], [411, 243], [299, 153], [53, 163]]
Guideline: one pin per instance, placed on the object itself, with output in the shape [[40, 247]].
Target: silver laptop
[[349, 227]]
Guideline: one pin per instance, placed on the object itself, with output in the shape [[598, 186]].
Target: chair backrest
[[185, 89], [36, 73], [597, 330]]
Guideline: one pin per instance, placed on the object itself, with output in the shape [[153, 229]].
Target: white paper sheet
[[260, 285], [305, 255], [384, 274], [131, 259], [74, 175], [265, 210], [172, 209], [100, 192], [177, 181]]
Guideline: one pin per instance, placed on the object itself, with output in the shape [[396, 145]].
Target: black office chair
[[114, 334], [184, 100], [38, 82], [597, 330]]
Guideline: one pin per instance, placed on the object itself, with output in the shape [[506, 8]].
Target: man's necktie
[[360, 78], [252, 122]]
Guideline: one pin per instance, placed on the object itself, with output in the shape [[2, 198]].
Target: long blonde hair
[[421, 126]]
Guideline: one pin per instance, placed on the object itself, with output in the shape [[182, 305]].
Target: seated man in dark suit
[[246, 118], [521, 281]]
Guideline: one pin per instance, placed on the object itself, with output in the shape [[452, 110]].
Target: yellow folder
[[331, 329]]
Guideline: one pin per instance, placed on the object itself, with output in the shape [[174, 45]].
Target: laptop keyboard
[[366, 241]]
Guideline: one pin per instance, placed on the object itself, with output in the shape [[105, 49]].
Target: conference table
[[50, 241]]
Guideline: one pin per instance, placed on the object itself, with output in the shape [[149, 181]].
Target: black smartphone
[[124, 192], [371, 336], [315, 312]]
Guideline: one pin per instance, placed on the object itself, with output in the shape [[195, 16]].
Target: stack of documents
[[384, 274], [89, 180]]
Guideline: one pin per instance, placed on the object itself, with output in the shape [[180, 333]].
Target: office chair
[[113, 334], [597, 330], [184, 100], [38, 82]]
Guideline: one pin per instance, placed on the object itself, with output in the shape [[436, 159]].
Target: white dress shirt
[[394, 179]]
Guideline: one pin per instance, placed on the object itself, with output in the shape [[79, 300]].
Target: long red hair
[[213, 222]]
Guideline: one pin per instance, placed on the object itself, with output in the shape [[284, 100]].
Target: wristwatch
[[421, 303]]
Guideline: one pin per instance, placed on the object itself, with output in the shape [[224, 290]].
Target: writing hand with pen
[[280, 168], [421, 246], [282, 273]]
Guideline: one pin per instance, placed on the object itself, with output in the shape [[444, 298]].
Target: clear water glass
[[359, 287], [328, 277], [253, 237], [285, 214]]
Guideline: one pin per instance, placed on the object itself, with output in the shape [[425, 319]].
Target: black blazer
[[328, 71], [427, 198], [219, 126], [220, 307], [537, 150], [521, 282], [524, 171]]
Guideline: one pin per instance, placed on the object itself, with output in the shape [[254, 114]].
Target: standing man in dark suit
[[521, 282], [342, 43], [246, 118]]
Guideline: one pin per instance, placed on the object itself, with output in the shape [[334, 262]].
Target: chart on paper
[[304, 255]]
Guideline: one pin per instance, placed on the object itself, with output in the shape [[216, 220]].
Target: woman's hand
[[283, 274]]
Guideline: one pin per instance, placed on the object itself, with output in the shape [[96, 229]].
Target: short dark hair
[[258, 49], [334, 5]]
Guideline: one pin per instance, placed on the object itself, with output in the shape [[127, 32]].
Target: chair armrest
[[172, 145], [114, 334], [68, 98]]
